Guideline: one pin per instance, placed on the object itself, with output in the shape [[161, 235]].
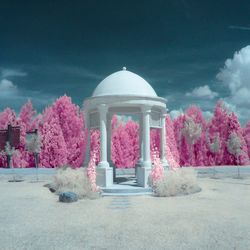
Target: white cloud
[[235, 27], [202, 92], [236, 76], [12, 72], [7, 88], [14, 97]]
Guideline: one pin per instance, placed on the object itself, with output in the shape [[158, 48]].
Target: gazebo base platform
[[104, 176], [126, 185]]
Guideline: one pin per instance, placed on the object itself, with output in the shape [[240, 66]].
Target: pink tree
[[172, 153], [217, 131], [25, 120], [71, 121], [125, 144], [223, 128], [27, 114], [246, 134], [54, 150], [182, 145], [236, 152], [7, 117], [200, 145]]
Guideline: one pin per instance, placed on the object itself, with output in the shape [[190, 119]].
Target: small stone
[[50, 187], [52, 190], [68, 197]]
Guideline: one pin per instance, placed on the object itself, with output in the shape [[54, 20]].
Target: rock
[[52, 190], [50, 187], [68, 197]]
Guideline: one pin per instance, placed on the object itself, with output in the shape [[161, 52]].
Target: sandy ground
[[216, 218]]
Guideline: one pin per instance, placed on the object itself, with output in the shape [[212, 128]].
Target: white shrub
[[234, 144], [191, 130], [74, 180], [179, 182]]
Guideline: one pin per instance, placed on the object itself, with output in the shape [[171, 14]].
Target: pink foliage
[[157, 171], [155, 143], [172, 154], [19, 159], [233, 126], [91, 172], [246, 133], [8, 116], [71, 121], [95, 140], [222, 125], [54, 149], [217, 128], [63, 135], [182, 145], [125, 144], [27, 114], [200, 147]]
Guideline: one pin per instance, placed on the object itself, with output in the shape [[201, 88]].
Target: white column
[[103, 129], [163, 140], [141, 140], [146, 136]]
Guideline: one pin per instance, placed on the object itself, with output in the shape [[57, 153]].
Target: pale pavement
[[216, 218]]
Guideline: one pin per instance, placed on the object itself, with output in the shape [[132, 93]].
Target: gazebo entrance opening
[[124, 149]]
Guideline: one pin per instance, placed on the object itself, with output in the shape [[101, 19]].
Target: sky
[[191, 52]]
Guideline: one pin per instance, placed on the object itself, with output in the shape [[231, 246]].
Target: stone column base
[[104, 176], [142, 175]]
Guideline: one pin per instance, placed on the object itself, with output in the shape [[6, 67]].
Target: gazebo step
[[126, 194], [117, 189]]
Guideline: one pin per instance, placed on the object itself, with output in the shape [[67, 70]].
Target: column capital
[[163, 115], [164, 112], [103, 108], [146, 109]]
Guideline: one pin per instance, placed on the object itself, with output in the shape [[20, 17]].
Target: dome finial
[[124, 68]]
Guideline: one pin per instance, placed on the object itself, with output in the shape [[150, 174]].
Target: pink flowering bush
[[95, 141], [91, 172], [157, 171]]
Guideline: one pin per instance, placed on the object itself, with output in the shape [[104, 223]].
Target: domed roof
[[124, 83]]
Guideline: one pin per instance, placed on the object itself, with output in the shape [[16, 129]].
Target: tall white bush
[[191, 130], [74, 180]]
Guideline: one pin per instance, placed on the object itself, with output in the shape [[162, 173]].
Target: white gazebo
[[124, 92]]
